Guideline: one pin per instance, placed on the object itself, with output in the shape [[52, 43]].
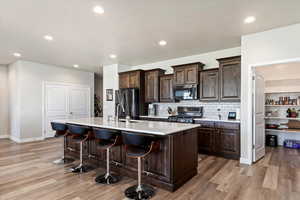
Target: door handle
[[71, 113]]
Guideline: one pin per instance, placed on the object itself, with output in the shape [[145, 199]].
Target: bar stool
[[80, 134], [106, 140], [61, 130], [139, 146]]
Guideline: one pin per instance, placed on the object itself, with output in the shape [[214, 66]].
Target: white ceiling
[[288, 71], [131, 29]]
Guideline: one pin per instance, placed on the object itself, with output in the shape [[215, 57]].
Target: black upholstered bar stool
[[80, 134], [139, 146], [107, 139], [61, 130]]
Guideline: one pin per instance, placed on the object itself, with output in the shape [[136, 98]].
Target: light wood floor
[[27, 173]]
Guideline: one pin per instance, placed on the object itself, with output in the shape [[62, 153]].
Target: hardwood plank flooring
[[27, 173]]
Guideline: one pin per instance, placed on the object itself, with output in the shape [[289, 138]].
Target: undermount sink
[[131, 121]]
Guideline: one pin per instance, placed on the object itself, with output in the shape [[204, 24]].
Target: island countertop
[[146, 127]]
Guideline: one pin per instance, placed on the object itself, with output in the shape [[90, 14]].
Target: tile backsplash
[[210, 109]]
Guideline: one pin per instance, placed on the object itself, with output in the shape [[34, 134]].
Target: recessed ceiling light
[[98, 10], [76, 66], [113, 56], [17, 55], [48, 37], [249, 20], [162, 43]]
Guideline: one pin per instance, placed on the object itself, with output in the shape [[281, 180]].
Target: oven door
[[186, 92]]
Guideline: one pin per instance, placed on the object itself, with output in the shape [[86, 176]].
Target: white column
[[110, 81]]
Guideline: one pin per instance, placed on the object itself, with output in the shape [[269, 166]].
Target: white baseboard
[[245, 161], [19, 140], [4, 136]]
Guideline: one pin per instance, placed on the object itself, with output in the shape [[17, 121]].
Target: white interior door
[[79, 102], [64, 102], [258, 117], [56, 106]]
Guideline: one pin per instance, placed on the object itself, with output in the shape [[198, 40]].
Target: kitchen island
[[173, 165]]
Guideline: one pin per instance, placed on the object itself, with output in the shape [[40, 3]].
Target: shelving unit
[[283, 130], [282, 134], [283, 118], [284, 106]]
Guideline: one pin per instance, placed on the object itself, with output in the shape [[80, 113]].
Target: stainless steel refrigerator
[[129, 99]]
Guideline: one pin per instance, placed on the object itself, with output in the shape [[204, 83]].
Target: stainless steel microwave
[[186, 92]]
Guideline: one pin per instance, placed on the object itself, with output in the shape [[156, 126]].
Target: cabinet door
[[230, 72], [179, 76], [229, 143], [157, 164], [209, 85], [152, 86], [191, 74], [166, 88], [134, 79], [205, 140], [124, 80]]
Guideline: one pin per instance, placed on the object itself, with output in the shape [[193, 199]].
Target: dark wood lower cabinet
[[170, 168], [220, 139], [205, 139]]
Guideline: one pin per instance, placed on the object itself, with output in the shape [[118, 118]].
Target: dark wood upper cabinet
[[131, 79], [152, 85], [123, 80], [209, 85], [166, 88], [134, 79], [187, 73], [230, 78], [179, 76]]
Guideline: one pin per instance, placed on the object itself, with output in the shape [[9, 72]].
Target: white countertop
[[147, 127], [217, 120]]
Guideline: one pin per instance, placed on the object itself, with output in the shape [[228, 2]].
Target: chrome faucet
[[219, 115]]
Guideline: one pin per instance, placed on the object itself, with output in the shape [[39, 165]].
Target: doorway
[[276, 106], [64, 101]]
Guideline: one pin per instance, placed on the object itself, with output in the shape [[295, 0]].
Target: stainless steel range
[[187, 114]]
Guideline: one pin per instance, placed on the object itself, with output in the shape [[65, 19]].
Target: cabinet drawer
[[228, 125]]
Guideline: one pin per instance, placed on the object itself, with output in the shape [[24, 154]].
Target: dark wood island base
[[170, 168]]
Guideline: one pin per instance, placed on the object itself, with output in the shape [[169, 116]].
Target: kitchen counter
[[173, 165], [216, 120], [139, 126]]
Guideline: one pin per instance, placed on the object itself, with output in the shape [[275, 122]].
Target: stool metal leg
[[140, 191], [107, 178], [81, 168], [63, 159]]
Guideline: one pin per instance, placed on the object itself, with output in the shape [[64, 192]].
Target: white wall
[[30, 78], [4, 101], [209, 59], [110, 81], [274, 46], [288, 85], [14, 100]]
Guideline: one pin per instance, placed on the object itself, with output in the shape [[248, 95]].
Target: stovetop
[[183, 119], [187, 114]]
